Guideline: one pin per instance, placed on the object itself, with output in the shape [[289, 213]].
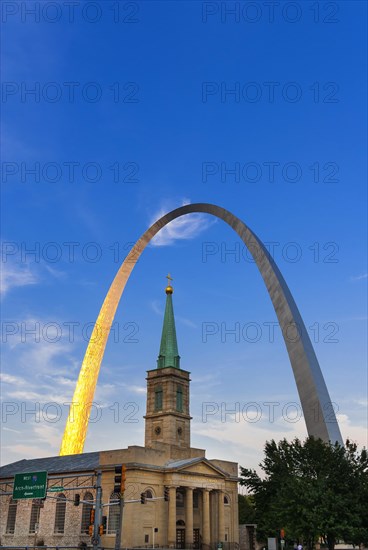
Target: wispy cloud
[[183, 228], [352, 431], [12, 276], [186, 321], [10, 379], [15, 275], [48, 435], [27, 395], [41, 355], [10, 430], [35, 369], [155, 305], [136, 389], [355, 278], [160, 311], [40, 440], [57, 273], [26, 451], [61, 380], [241, 440]]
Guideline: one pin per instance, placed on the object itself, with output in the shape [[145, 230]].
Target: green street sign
[[55, 489], [32, 485]]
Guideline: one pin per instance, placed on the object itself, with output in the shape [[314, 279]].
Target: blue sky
[[135, 112]]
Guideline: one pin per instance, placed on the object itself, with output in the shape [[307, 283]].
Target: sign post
[[55, 489], [30, 485]]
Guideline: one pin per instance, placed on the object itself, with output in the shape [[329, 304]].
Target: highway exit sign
[[30, 485]]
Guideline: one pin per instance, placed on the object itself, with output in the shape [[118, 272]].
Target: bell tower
[[167, 411]]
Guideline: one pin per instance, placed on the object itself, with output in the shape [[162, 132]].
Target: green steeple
[[169, 355]]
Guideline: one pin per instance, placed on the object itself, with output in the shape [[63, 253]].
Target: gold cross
[[169, 279]]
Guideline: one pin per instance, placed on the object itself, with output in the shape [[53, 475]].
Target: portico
[[195, 522]]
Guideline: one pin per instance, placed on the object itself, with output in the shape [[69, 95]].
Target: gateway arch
[[316, 404]]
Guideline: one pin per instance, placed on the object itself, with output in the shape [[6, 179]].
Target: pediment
[[202, 467]]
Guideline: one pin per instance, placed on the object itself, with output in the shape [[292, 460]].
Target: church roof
[[169, 355], [52, 464], [184, 462], [90, 461]]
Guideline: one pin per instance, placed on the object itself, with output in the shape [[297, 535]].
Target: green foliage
[[247, 512], [311, 490]]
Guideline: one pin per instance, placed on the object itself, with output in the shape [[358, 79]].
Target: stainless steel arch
[[317, 408]]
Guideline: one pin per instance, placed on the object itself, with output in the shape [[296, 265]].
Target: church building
[[201, 510]]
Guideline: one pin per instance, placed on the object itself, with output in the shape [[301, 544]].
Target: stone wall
[[247, 537], [72, 531]]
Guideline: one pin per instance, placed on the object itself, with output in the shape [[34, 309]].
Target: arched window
[[114, 514], [86, 513], [12, 516], [35, 516], [148, 493], [158, 398], [60, 514], [179, 398], [226, 499]]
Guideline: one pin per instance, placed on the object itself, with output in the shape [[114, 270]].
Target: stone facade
[[202, 510], [45, 532], [196, 513]]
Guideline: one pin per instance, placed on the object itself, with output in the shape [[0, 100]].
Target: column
[[171, 528], [221, 517], [206, 539], [189, 516]]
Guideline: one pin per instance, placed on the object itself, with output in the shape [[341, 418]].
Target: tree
[[311, 490], [247, 512]]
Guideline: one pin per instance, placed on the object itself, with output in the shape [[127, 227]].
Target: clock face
[[157, 430]]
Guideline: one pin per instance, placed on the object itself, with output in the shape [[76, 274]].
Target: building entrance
[[180, 538], [196, 539]]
